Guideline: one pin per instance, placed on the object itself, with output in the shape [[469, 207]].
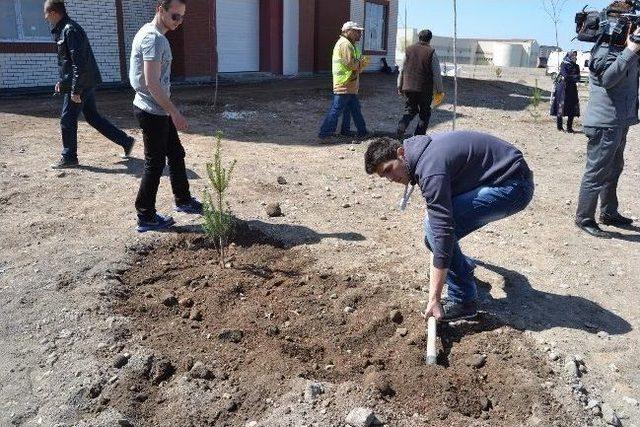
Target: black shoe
[[128, 148], [65, 163], [591, 227], [348, 134], [616, 220], [570, 131], [459, 311]]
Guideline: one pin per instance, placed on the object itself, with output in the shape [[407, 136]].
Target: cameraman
[[613, 107]]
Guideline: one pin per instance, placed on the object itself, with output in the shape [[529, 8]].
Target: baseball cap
[[351, 26]]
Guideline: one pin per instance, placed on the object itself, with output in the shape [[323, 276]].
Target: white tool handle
[[432, 352]]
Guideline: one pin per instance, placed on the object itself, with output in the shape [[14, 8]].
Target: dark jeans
[[346, 105], [474, 210], [161, 145], [69, 123], [418, 103], [569, 122], [605, 161]]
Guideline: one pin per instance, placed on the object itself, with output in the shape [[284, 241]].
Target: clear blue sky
[[505, 19]]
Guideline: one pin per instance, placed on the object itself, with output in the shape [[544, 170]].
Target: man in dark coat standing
[[565, 102], [419, 76], [79, 76], [612, 109]]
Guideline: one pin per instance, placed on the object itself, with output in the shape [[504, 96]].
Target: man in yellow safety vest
[[347, 64]]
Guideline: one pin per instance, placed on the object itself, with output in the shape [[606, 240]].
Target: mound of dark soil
[[270, 317]]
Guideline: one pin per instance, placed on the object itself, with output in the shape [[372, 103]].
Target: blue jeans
[[348, 106], [472, 211], [69, 123]]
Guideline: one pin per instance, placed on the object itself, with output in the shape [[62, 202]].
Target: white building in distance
[[497, 52]]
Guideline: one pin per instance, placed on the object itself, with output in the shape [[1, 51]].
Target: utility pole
[[455, 62]]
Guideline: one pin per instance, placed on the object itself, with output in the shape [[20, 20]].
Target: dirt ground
[[103, 326]]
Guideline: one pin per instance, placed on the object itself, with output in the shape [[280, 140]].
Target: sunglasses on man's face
[[177, 17]]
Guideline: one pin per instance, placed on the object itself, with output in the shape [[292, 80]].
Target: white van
[[555, 60]]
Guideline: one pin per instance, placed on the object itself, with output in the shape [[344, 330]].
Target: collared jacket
[[613, 88], [78, 67]]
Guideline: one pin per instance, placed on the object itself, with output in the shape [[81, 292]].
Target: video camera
[[613, 25]]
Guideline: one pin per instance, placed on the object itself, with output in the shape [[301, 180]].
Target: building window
[[22, 20], [375, 26]]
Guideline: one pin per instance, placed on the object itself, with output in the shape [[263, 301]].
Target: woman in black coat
[[565, 102]]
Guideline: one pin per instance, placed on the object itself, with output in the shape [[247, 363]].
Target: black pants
[[569, 122], [69, 123], [417, 103], [605, 162], [161, 145]]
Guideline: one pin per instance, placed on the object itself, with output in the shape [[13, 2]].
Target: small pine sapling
[[218, 219], [536, 100]]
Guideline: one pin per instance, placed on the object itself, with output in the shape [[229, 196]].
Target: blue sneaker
[[160, 222], [192, 207]]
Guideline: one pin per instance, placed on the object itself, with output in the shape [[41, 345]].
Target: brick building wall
[[40, 69], [136, 13], [357, 15]]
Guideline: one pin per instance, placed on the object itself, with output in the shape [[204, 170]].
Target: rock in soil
[[609, 416], [360, 417], [571, 367], [120, 360], [396, 316], [312, 391], [169, 300], [200, 371], [186, 302], [476, 361], [234, 336], [196, 315], [282, 180], [162, 370], [274, 210]]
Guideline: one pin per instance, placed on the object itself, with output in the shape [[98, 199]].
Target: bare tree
[[553, 9]]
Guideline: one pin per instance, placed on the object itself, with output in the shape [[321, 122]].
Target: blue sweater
[[448, 164]]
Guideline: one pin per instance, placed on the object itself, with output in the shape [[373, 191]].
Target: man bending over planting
[[468, 180]]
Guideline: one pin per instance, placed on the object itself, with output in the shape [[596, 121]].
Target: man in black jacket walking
[[79, 75]]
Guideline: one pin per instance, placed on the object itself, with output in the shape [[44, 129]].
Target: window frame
[[385, 35], [20, 29]]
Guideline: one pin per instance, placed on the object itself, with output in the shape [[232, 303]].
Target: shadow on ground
[[529, 309], [288, 111], [131, 166], [281, 235]]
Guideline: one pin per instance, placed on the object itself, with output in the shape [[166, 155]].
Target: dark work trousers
[[161, 145], [605, 161], [569, 122], [69, 123], [418, 103]]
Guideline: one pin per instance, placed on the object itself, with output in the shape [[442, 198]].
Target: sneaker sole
[[465, 317], [56, 167], [177, 209], [145, 229]]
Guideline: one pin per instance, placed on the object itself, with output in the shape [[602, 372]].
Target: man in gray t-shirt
[[160, 120], [150, 45]]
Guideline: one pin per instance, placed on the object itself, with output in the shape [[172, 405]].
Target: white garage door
[[238, 25]]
